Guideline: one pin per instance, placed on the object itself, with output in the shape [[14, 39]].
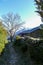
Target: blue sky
[[25, 8]]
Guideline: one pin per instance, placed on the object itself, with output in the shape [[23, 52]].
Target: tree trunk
[[11, 38]]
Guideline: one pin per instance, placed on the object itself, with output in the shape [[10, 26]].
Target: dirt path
[[12, 57]]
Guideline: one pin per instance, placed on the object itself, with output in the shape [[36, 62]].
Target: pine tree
[[39, 4]]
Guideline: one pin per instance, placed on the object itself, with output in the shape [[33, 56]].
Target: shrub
[[20, 44], [36, 51], [3, 40]]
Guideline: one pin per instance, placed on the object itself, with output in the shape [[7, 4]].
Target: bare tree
[[12, 22]]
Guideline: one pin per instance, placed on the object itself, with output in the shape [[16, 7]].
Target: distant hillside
[[35, 32]]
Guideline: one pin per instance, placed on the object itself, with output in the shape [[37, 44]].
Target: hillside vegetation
[[3, 40]]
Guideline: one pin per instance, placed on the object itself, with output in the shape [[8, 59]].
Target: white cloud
[[32, 22]]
